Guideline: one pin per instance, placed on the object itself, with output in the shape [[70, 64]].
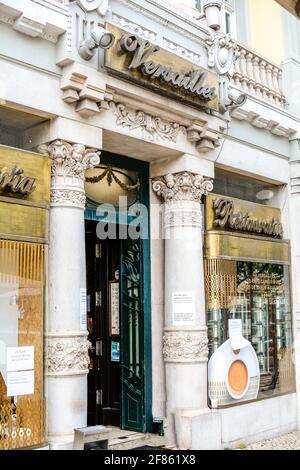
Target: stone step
[[131, 440]]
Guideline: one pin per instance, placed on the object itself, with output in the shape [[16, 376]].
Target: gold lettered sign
[[24, 194], [138, 60], [243, 230], [234, 215]]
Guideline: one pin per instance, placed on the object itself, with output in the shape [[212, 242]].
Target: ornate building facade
[[187, 115]]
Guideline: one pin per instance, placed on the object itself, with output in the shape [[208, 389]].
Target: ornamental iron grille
[[132, 318]]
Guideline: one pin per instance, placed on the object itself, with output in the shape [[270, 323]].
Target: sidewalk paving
[[286, 442]]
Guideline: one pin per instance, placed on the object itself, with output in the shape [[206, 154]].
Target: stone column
[[295, 255], [185, 347], [66, 348]]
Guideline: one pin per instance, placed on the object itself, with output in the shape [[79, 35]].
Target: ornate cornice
[[182, 186], [32, 21], [153, 126], [70, 160], [134, 28], [185, 345], [67, 354], [261, 122]]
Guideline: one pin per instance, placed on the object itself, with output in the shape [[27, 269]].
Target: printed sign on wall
[[183, 308], [83, 309]]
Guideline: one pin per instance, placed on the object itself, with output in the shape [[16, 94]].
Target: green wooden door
[[132, 333]]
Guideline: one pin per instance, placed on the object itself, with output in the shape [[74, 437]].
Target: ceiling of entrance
[[134, 148]]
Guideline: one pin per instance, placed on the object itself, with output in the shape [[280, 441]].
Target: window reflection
[[258, 293]]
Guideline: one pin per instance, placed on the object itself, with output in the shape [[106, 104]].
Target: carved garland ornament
[[185, 346], [182, 186], [152, 125], [67, 355], [70, 160]]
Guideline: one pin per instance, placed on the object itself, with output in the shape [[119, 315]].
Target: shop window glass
[[257, 293], [22, 414]]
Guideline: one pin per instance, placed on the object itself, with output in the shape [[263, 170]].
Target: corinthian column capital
[[183, 186], [69, 164], [70, 159]]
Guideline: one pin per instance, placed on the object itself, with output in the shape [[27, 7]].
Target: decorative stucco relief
[[134, 28], [185, 346], [67, 355], [70, 159], [182, 186], [154, 126], [178, 216], [182, 51], [67, 197]]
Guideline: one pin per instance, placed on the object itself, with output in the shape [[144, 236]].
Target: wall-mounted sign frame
[[114, 308], [138, 60]]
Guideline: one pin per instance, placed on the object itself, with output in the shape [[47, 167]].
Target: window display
[[22, 414], [258, 294]]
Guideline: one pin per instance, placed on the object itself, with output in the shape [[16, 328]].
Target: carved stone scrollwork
[[70, 160], [222, 56], [153, 126], [185, 346], [69, 164], [184, 186], [222, 53], [68, 197], [67, 354]]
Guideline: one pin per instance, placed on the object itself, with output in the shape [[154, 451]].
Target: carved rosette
[[189, 345], [184, 186], [69, 164], [67, 354]]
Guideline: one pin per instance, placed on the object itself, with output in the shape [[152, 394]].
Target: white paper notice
[[184, 310], [20, 383], [235, 328], [236, 335], [83, 309], [21, 358]]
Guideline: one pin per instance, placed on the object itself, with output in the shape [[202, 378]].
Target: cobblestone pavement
[[286, 442]]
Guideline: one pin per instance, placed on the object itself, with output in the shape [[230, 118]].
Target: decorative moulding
[[83, 87], [29, 20], [152, 36], [154, 126], [134, 28], [263, 123], [69, 160], [185, 346], [205, 139], [67, 354], [184, 186]]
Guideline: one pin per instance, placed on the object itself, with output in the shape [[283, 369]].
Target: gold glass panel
[[22, 417]]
